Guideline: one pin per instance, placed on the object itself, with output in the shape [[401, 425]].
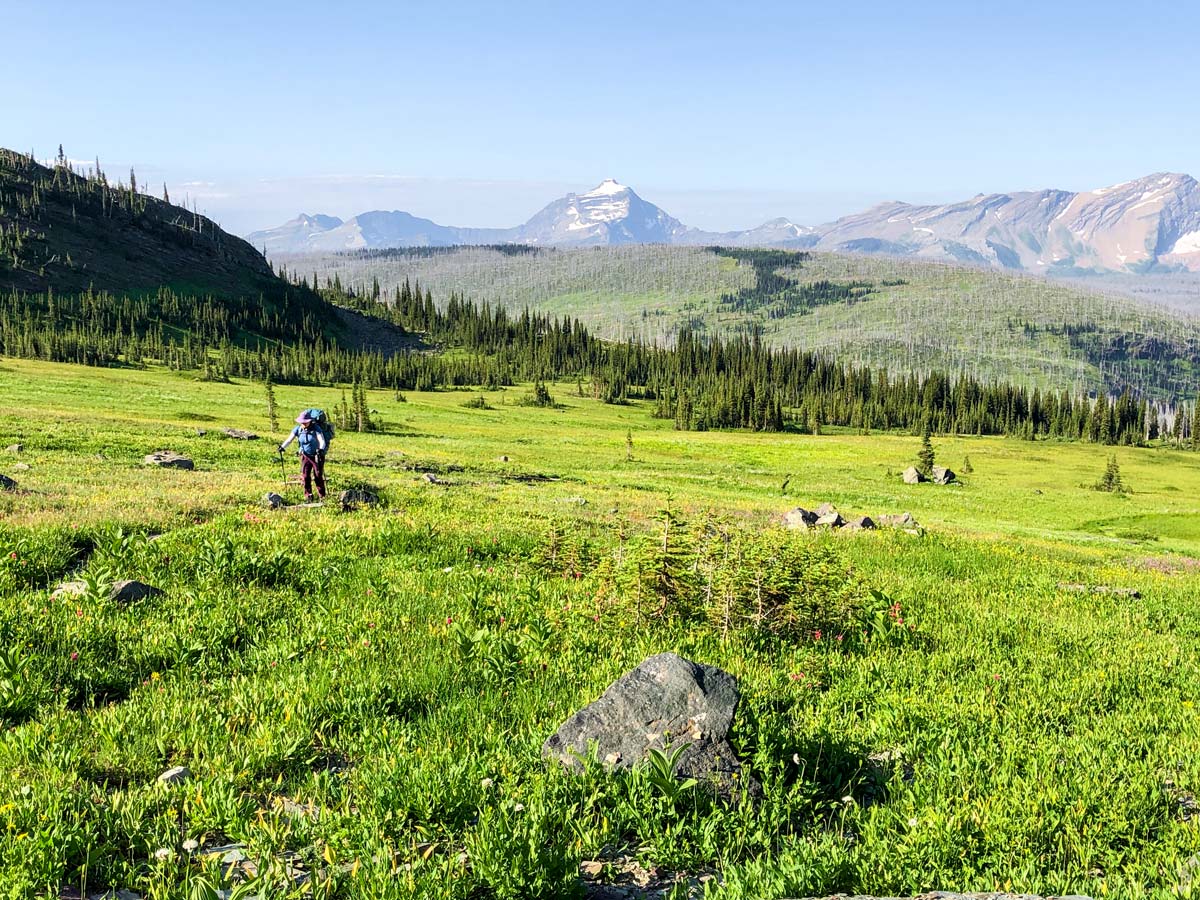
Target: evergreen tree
[[272, 410], [925, 457]]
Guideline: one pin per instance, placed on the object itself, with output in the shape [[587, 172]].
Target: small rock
[[431, 478], [912, 476], [176, 775], [1131, 593], [825, 509], [200, 432], [168, 459], [356, 497], [273, 501], [860, 523], [899, 520], [21, 467], [15, 448], [124, 591], [7, 484], [238, 435], [800, 518], [502, 459], [830, 520]]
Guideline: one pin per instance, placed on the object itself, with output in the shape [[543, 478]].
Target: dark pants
[[313, 469]]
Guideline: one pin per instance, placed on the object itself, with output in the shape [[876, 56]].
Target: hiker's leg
[[306, 471], [319, 475]]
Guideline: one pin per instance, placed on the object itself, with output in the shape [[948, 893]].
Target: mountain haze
[[1150, 224]]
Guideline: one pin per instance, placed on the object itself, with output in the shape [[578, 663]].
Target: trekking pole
[[282, 465]]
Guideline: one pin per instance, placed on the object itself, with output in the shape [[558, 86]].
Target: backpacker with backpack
[[322, 421]]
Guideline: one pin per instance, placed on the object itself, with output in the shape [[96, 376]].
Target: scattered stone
[[238, 435], [942, 475], [124, 591], [665, 703], [830, 520], [290, 807], [21, 467], [431, 478], [7, 484], [800, 518], [578, 501], [273, 501], [898, 520], [502, 459], [860, 523], [356, 497], [1108, 590], [912, 476], [169, 459], [200, 432], [825, 509], [175, 775], [112, 895], [15, 448]]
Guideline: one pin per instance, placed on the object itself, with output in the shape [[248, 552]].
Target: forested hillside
[[906, 315]]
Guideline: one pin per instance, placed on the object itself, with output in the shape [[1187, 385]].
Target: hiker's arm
[[291, 437], [321, 441]]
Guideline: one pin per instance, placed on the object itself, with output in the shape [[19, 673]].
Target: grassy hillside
[[362, 696], [906, 315]]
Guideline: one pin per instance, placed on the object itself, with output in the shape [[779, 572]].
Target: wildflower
[[190, 845], [839, 638], [596, 618], [366, 643], [13, 555], [912, 823], [448, 569], [163, 853], [486, 783], [449, 621], [995, 678], [274, 663], [370, 624], [79, 613], [797, 676], [370, 593], [74, 656], [817, 635]]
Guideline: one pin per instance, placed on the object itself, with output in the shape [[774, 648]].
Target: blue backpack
[[322, 422]]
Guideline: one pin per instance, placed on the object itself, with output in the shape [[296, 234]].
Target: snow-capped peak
[[607, 188]]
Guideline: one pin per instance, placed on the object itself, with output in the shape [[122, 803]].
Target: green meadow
[[361, 696]]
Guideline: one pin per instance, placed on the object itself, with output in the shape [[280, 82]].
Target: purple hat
[[303, 419]]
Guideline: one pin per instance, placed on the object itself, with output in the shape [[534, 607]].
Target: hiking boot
[[308, 498]]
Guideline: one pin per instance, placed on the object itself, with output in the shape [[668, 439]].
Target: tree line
[[702, 382]]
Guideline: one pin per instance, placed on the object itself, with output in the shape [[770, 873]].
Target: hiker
[[312, 444]]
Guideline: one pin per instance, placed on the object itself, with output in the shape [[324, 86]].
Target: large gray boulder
[[665, 703], [239, 435], [912, 475], [799, 518], [942, 475], [124, 591], [825, 509], [169, 459]]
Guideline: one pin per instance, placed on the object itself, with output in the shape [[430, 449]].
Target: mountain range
[[1150, 224]]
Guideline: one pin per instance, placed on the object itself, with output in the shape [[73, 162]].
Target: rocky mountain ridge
[[1151, 224]]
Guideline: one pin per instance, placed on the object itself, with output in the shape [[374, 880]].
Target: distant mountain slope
[[148, 264], [62, 231], [906, 315], [1151, 224], [1136, 226]]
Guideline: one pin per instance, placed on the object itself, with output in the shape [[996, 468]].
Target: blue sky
[[725, 114]]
